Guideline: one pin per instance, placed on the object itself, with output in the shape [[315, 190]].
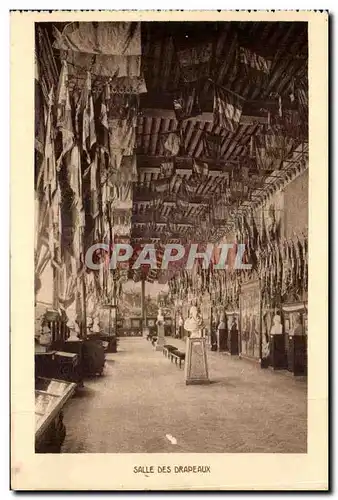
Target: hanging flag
[[102, 126], [64, 122], [172, 143], [254, 61], [227, 109], [182, 203], [187, 105], [303, 100], [110, 38], [200, 169], [39, 124], [85, 119], [49, 165], [263, 159], [212, 145], [94, 188], [195, 62], [167, 169], [161, 185], [191, 185]]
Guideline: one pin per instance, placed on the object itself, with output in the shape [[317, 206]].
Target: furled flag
[[200, 169], [64, 114], [254, 61], [227, 109], [85, 113]]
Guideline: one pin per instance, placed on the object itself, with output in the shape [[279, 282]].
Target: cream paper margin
[[30, 471]]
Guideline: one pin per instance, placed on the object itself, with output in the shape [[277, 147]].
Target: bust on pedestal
[[196, 366], [160, 331], [276, 347]]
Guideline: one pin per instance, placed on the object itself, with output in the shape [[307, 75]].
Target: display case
[[51, 395], [250, 315], [232, 320], [295, 321]]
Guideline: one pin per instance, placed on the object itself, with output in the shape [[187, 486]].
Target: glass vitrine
[[50, 397]]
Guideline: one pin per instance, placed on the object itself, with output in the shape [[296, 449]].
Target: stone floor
[[141, 404]]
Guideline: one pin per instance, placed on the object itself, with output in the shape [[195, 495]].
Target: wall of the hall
[[296, 204]]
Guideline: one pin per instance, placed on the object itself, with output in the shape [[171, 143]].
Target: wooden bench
[[178, 357], [168, 348]]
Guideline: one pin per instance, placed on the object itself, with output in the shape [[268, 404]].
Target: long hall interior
[[171, 237]]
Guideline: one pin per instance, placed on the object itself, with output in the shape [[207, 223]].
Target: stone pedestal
[[160, 338], [196, 364]]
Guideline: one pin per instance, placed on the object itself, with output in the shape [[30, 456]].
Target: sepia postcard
[[169, 250]]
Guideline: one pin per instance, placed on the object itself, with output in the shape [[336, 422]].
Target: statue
[[194, 323], [221, 331], [160, 318], [196, 366], [276, 328], [298, 327], [160, 330]]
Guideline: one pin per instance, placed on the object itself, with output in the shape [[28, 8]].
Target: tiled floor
[[142, 403]]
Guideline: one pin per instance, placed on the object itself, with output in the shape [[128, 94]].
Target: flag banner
[[64, 122], [303, 101], [191, 185], [264, 161], [102, 64], [182, 203], [85, 121], [127, 85], [167, 169], [172, 143], [102, 126], [254, 61], [39, 120], [94, 188], [122, 119], [195, 62], [200, 169], [187, 105], [227, 109], [212, 145], [110, 38], [48, 168]]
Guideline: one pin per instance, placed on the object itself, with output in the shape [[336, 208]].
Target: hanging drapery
[[110, 38], [102, 64], [85, 121], [64, 114]]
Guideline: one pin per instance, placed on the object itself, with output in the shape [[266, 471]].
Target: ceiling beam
[[142, 219], [185, 163], [204, 117]]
